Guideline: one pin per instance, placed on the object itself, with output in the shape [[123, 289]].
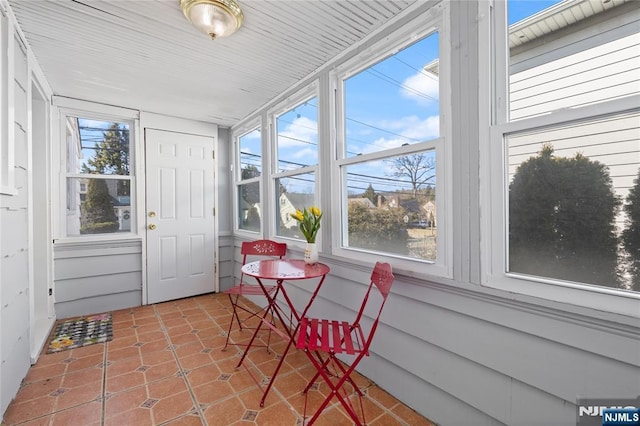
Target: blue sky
[[392, 103]]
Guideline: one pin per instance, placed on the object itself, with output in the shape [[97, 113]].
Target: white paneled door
[[179, 215]]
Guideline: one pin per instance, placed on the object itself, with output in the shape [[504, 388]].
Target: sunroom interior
[[489, 151]]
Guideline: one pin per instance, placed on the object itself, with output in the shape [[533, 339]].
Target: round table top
[[279, 269]]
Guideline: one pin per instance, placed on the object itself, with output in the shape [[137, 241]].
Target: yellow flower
[[308, 222]]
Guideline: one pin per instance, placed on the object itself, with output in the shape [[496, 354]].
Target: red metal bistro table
[[282, 270]]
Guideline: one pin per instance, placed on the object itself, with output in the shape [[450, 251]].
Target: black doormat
[[83, 331]]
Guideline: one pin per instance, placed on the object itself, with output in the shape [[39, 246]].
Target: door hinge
[[213, 155], [214, 211], [50, 292]]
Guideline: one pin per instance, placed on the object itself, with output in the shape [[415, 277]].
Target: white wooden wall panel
[[97, 277], [226, 262], [14, 279], [86, 287]]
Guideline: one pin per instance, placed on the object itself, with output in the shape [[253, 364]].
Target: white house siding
[[14, 218], [601, 73], [462, 354]]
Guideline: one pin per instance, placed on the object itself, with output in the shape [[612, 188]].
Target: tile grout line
[[103, 396], [181, 371]]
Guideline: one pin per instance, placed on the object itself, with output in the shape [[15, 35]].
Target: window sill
[[92, 239], [604, 299]]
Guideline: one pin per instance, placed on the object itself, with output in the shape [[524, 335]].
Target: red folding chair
[[324, 339], [258, 248]]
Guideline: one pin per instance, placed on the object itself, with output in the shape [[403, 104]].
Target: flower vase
[[311, 254]]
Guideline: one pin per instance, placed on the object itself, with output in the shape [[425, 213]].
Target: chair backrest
[[265, 248], [382, 279]]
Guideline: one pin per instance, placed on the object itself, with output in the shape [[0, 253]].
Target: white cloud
[[411, 127], [423, 129], [301, 131], [423, 87], [305, 153]]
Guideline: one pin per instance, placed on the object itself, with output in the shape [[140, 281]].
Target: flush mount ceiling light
[[216, 18]]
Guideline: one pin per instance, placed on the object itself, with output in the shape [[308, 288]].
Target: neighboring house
[[289, 203], [430, 213], [424, 212], [362, 201]]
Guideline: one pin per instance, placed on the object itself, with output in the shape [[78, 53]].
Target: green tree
[[562, 219], [377, 229], [112, 156], [631, 234], [97, 210], [371, 194], [250, 192]]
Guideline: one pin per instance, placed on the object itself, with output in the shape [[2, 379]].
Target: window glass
[[293, 193], [102, 148], [389, 202], [555, 64], [297, 136], [98, 182], [249, 211], [97, 206], [567, 187], [250, 154], [573, 185], [394, 102], [391, 206]]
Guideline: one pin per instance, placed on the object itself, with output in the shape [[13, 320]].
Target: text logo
[[628, 416], [608, 412]]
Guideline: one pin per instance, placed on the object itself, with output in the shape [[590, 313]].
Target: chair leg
[[338, 389], [234, 314]]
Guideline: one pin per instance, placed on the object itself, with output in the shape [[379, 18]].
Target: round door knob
[[152, 227]]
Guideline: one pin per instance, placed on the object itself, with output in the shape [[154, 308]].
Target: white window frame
[[88, 110], [241, 131], [308, 92], [436, 21], [494, 177]]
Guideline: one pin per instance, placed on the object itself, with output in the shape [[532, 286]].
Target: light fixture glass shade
[[216, 18]]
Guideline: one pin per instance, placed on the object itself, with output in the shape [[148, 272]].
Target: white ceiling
[[143, 54]]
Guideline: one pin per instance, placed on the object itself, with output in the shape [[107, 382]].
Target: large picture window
[[390, 146], [99, 181], [569, 129]]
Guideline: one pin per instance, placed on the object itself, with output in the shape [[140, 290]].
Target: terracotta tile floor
[[166, 366]]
